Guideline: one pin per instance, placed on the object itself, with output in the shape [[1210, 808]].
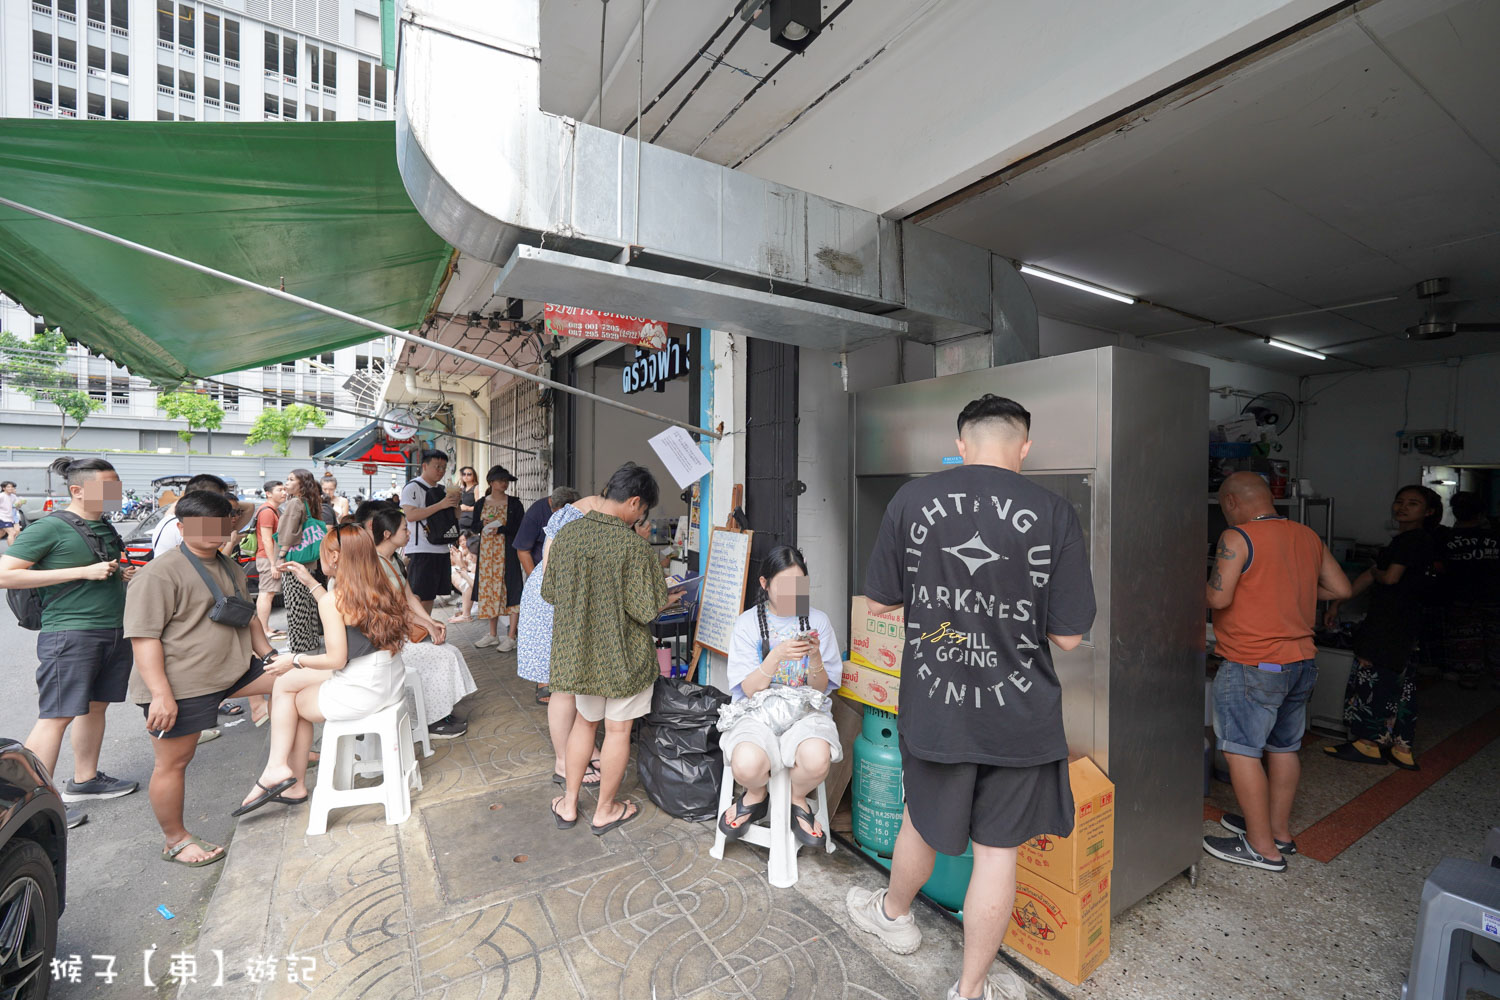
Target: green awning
[[318, 206]]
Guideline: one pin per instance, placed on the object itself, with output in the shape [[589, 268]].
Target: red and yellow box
[[870, 685], [1075, 862], [876, 639], [1066, 932]]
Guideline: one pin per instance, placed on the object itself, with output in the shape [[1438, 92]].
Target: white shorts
[[594, 707], [782, 750]]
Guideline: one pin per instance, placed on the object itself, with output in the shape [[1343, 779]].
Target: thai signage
[[654, 369], [589, 324]]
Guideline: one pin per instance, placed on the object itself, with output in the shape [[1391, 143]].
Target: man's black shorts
[[430, 574], [951, 804], [79, 666], [201, 711]]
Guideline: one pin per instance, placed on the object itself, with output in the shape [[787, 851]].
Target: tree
[[277, 426], [37, 368], [198, 409]]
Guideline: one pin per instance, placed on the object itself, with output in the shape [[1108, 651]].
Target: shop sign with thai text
[[654, 369], [589, 324]]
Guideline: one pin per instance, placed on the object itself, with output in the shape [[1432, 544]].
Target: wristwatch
[[296, 659]]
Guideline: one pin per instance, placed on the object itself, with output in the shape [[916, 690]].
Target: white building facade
[[158, 60]]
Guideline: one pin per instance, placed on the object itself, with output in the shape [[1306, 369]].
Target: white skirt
[[444, 674], [782, 750], [364, 686]]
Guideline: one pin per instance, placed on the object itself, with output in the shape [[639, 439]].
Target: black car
[[33, 868], [138, 553]]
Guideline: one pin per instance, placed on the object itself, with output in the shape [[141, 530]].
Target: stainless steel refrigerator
[[1123, 435]]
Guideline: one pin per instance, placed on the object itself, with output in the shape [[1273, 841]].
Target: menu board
[[723, 588]]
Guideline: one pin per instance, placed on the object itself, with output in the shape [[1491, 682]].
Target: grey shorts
[[263, 569], [951, 804], [80, 666]]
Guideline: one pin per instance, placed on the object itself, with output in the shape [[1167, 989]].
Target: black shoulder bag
[[232, 610]]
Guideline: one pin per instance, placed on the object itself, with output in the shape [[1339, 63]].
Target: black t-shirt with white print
[[986, 563]]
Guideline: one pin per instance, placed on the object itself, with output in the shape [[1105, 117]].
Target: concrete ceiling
[[1347, 166]]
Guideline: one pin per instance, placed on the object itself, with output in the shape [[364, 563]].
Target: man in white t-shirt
[[427, 565], [168, 533]]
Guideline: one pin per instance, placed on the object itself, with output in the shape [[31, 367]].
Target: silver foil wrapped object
[[778, 706]]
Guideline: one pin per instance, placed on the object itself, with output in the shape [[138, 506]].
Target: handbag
[[232, 609], [311, 541], [415, 631]]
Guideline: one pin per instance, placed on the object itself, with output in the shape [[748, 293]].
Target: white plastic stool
[[419, 731], [776, 836], [387, 734]]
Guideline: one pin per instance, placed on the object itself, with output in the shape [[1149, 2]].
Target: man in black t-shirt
[[988, 567]]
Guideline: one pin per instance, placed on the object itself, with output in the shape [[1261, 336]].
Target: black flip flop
[[799, 815], [1385, 752], [562, 824], [1347, 751], [543, 695], [270, 795], [625, 817], [230, 708], [288, 800], [749, 815]]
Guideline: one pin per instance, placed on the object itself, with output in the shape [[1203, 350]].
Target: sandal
[[230, 708], [543, 694], [800, 816], [290, 800], [592, 771], [1349, 752], [169, 854], [734, 829], [460, 619], [1396, 754], [631, 812], [270, 794], [562, 824]]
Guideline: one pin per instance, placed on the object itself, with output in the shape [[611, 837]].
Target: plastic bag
[[678, 756], [779, 707]]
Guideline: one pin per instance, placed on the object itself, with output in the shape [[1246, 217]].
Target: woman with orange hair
[[358, 672]]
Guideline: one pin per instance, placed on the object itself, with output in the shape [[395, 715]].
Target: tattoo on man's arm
[[1223, 551], [1216, 581]]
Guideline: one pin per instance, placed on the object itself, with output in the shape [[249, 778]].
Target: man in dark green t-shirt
[[84, 658]]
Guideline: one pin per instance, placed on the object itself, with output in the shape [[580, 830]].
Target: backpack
[[440, 528], [248, 540], [27, 603]]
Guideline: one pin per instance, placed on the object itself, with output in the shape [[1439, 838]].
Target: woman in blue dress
[[534, 644]]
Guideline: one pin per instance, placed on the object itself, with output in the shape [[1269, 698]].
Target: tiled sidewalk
[[479, 895]]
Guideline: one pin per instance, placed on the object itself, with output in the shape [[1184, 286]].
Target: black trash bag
[[678, 756]]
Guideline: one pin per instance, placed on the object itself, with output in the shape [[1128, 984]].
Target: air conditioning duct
[[553, 201]]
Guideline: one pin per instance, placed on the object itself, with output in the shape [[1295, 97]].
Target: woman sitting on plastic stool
[[781, 641]]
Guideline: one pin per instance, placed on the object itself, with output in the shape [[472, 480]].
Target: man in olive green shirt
[[83, 657], [606, 587]]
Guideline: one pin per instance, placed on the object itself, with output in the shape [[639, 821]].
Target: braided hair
[[779, 559]]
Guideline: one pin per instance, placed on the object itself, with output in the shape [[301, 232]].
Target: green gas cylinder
[[877, 784]]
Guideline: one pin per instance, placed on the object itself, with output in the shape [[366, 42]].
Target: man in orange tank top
[[1269, 574]]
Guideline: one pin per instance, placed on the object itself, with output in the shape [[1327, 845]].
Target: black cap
[[499, 472]]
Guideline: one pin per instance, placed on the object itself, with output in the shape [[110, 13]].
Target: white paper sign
[[681, 455]]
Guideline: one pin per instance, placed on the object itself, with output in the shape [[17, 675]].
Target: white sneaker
[[867, 910], [487, 640], [505, 644], [1002, 984]]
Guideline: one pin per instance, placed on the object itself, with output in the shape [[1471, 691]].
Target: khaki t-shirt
[[169, 601]]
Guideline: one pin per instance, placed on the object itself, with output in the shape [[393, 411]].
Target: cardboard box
[[1065, 932], [877, 639], [1075, 862], [870, 685], [848, 717]]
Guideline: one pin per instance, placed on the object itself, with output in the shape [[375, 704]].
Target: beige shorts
[[594, 707], [267, 585]]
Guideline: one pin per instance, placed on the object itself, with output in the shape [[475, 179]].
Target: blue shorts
[[80, 666], [1259, 710]]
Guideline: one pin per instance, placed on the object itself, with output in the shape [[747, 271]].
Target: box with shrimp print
[[1081, 859]]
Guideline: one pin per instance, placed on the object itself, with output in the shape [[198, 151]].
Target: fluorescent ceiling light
[[1304, 351], [1082, 286]]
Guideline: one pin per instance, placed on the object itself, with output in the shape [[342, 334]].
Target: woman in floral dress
[[500, 517]]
